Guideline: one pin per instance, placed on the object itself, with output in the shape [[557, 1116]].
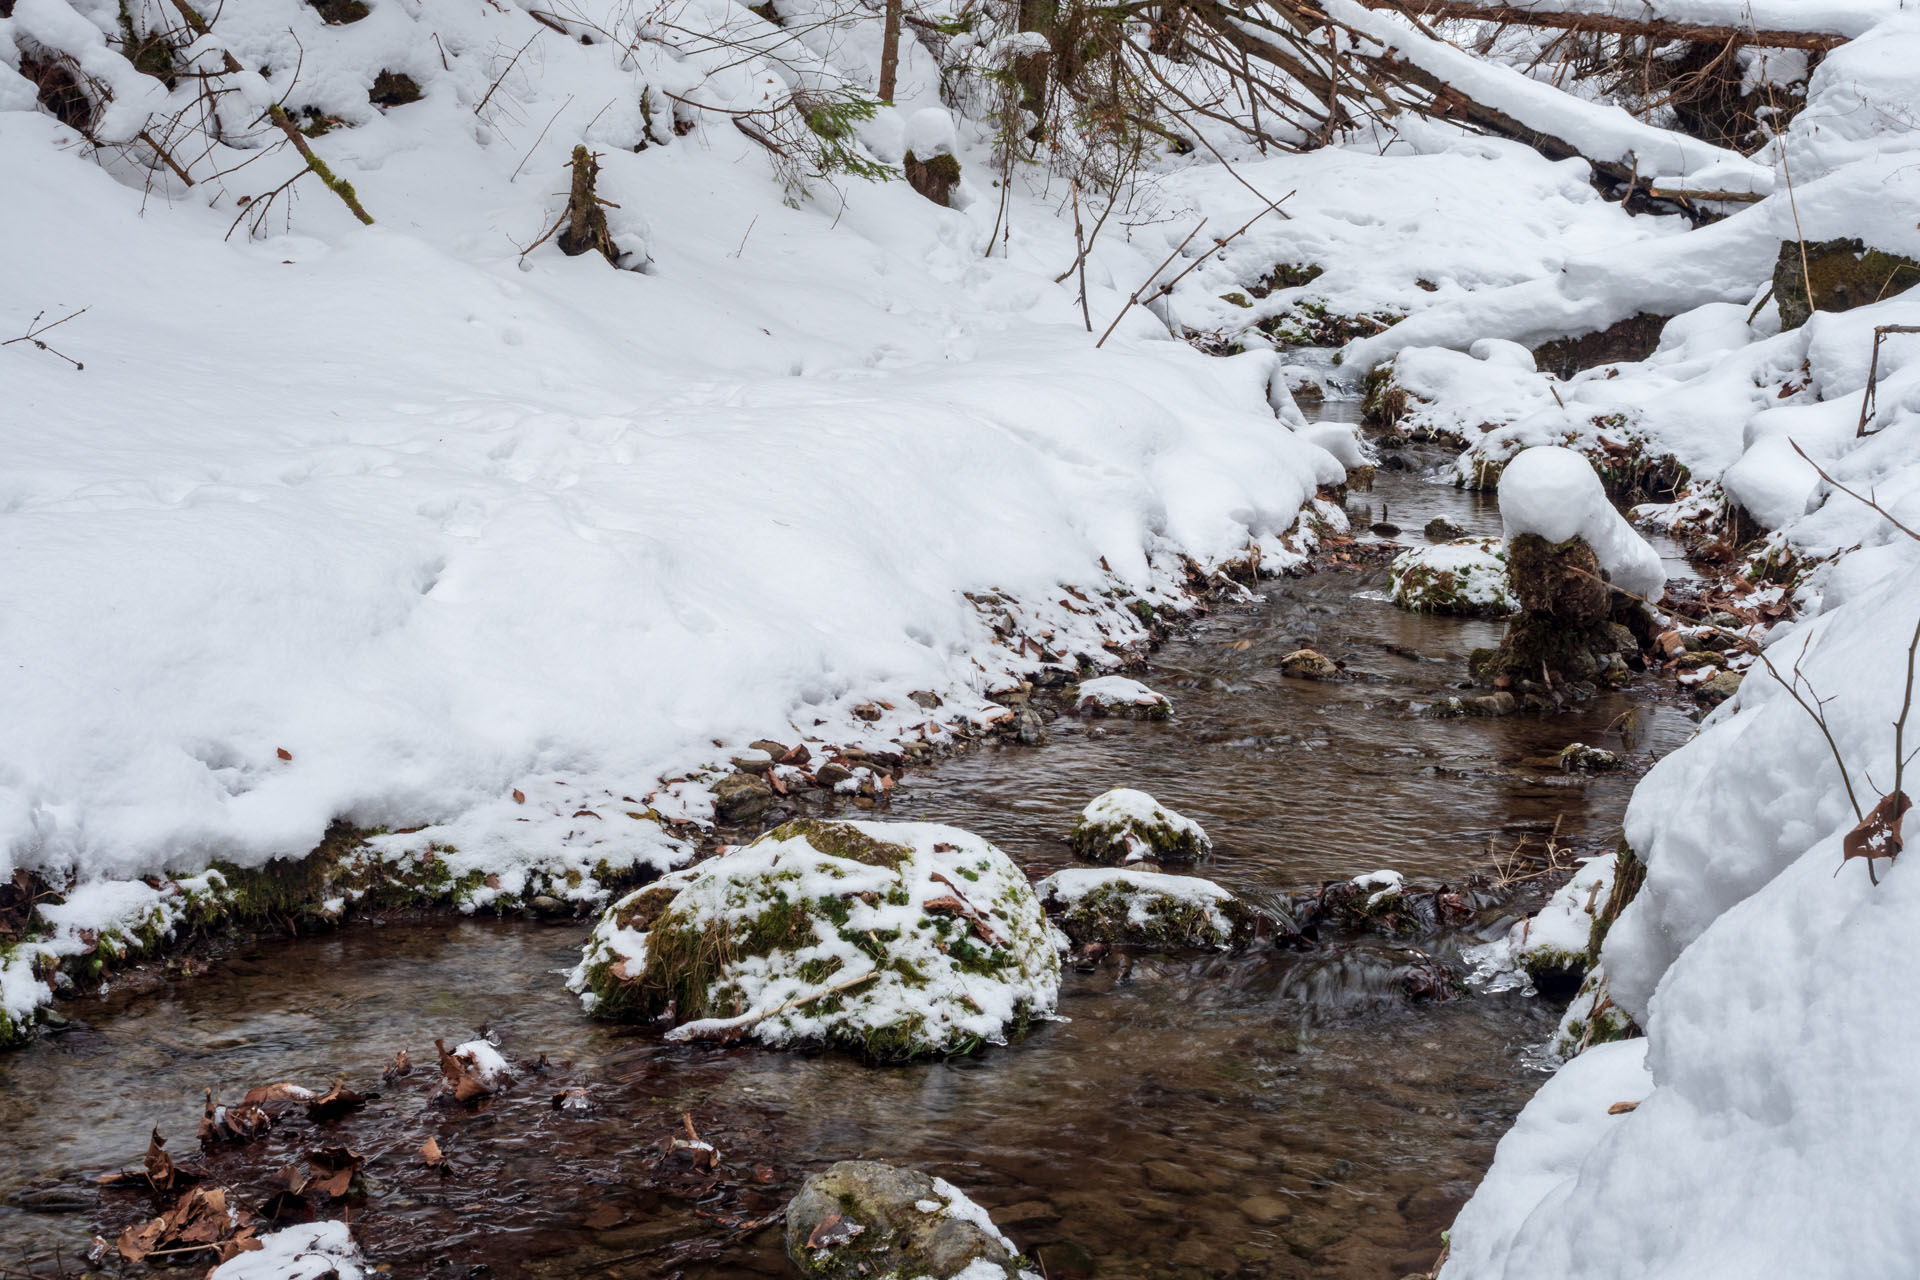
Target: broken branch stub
[[586, 217]]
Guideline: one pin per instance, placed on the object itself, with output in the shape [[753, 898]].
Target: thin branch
[[1134, 297], [1885, 514]]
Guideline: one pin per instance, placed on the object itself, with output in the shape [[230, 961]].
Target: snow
[[442, 523], [1385, 883], [1600, 132], [1755, 957], [1554, 1135], [311, 1251], [1838, 17], [1555, 494], [1117, 691]]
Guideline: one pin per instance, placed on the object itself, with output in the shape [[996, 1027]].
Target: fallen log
[[1577, 17]]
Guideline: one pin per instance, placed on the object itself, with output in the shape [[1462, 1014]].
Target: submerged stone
[[1308, 664], [862, 1220]]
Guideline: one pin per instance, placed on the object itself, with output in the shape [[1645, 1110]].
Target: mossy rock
[[934, 177], [394, 89], [1141, 908], [1125, 825], [861, 1219], [1286, 275], [1466, 577], [1632, 339], [1844, 274], [340, 12], [891, 940], [1384, 402]]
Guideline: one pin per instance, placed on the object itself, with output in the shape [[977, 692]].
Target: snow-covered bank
[[1761, 962], [391, 525]]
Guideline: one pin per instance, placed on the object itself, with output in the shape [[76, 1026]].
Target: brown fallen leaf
[[574, 1099], [333, 1169], [1878, 835], [283, 753], [519, 796], [432, 1157], [457, 1078], [136, 1242], [602, 1216], [1621, 1108], [335, 1102], [399, 1069], [159, 1173], [288, 1199]]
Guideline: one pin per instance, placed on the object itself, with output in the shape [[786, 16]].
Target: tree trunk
[[890, 50]]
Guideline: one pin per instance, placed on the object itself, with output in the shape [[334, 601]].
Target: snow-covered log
[[1775, 26], [1507, 101]]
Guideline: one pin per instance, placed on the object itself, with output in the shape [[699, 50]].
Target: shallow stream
[[1268, 1114]]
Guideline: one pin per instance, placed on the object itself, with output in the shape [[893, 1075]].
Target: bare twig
[[1884, 513], [488, 97], [1869, 400], [1134, 297], [35, 329]]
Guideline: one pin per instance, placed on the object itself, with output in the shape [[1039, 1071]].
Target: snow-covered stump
[[1120, 697], [1143, 908], [1466, 577], [893, 940], [862, 1218], [1128, 826], [1567, 551]]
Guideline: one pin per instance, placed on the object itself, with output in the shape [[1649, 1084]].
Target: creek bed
[[1267, 1114]]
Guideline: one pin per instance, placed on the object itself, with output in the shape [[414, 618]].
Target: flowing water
[[1266, 1114]]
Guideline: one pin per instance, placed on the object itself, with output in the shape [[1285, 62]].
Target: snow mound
[[1466, 576], [895, 940], [1554, 494], [1143, 907], [312, 1251], [1125, 825]]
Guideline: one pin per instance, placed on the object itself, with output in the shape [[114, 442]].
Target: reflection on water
[[1260, 1115]]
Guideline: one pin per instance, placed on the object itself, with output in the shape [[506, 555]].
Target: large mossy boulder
[[1144, 908], [1466, 577], [893, 940], [1843, 274], [1126, 826], [863, 1220]]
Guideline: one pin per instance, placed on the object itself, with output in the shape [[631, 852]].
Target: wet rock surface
[[862, 1218]]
